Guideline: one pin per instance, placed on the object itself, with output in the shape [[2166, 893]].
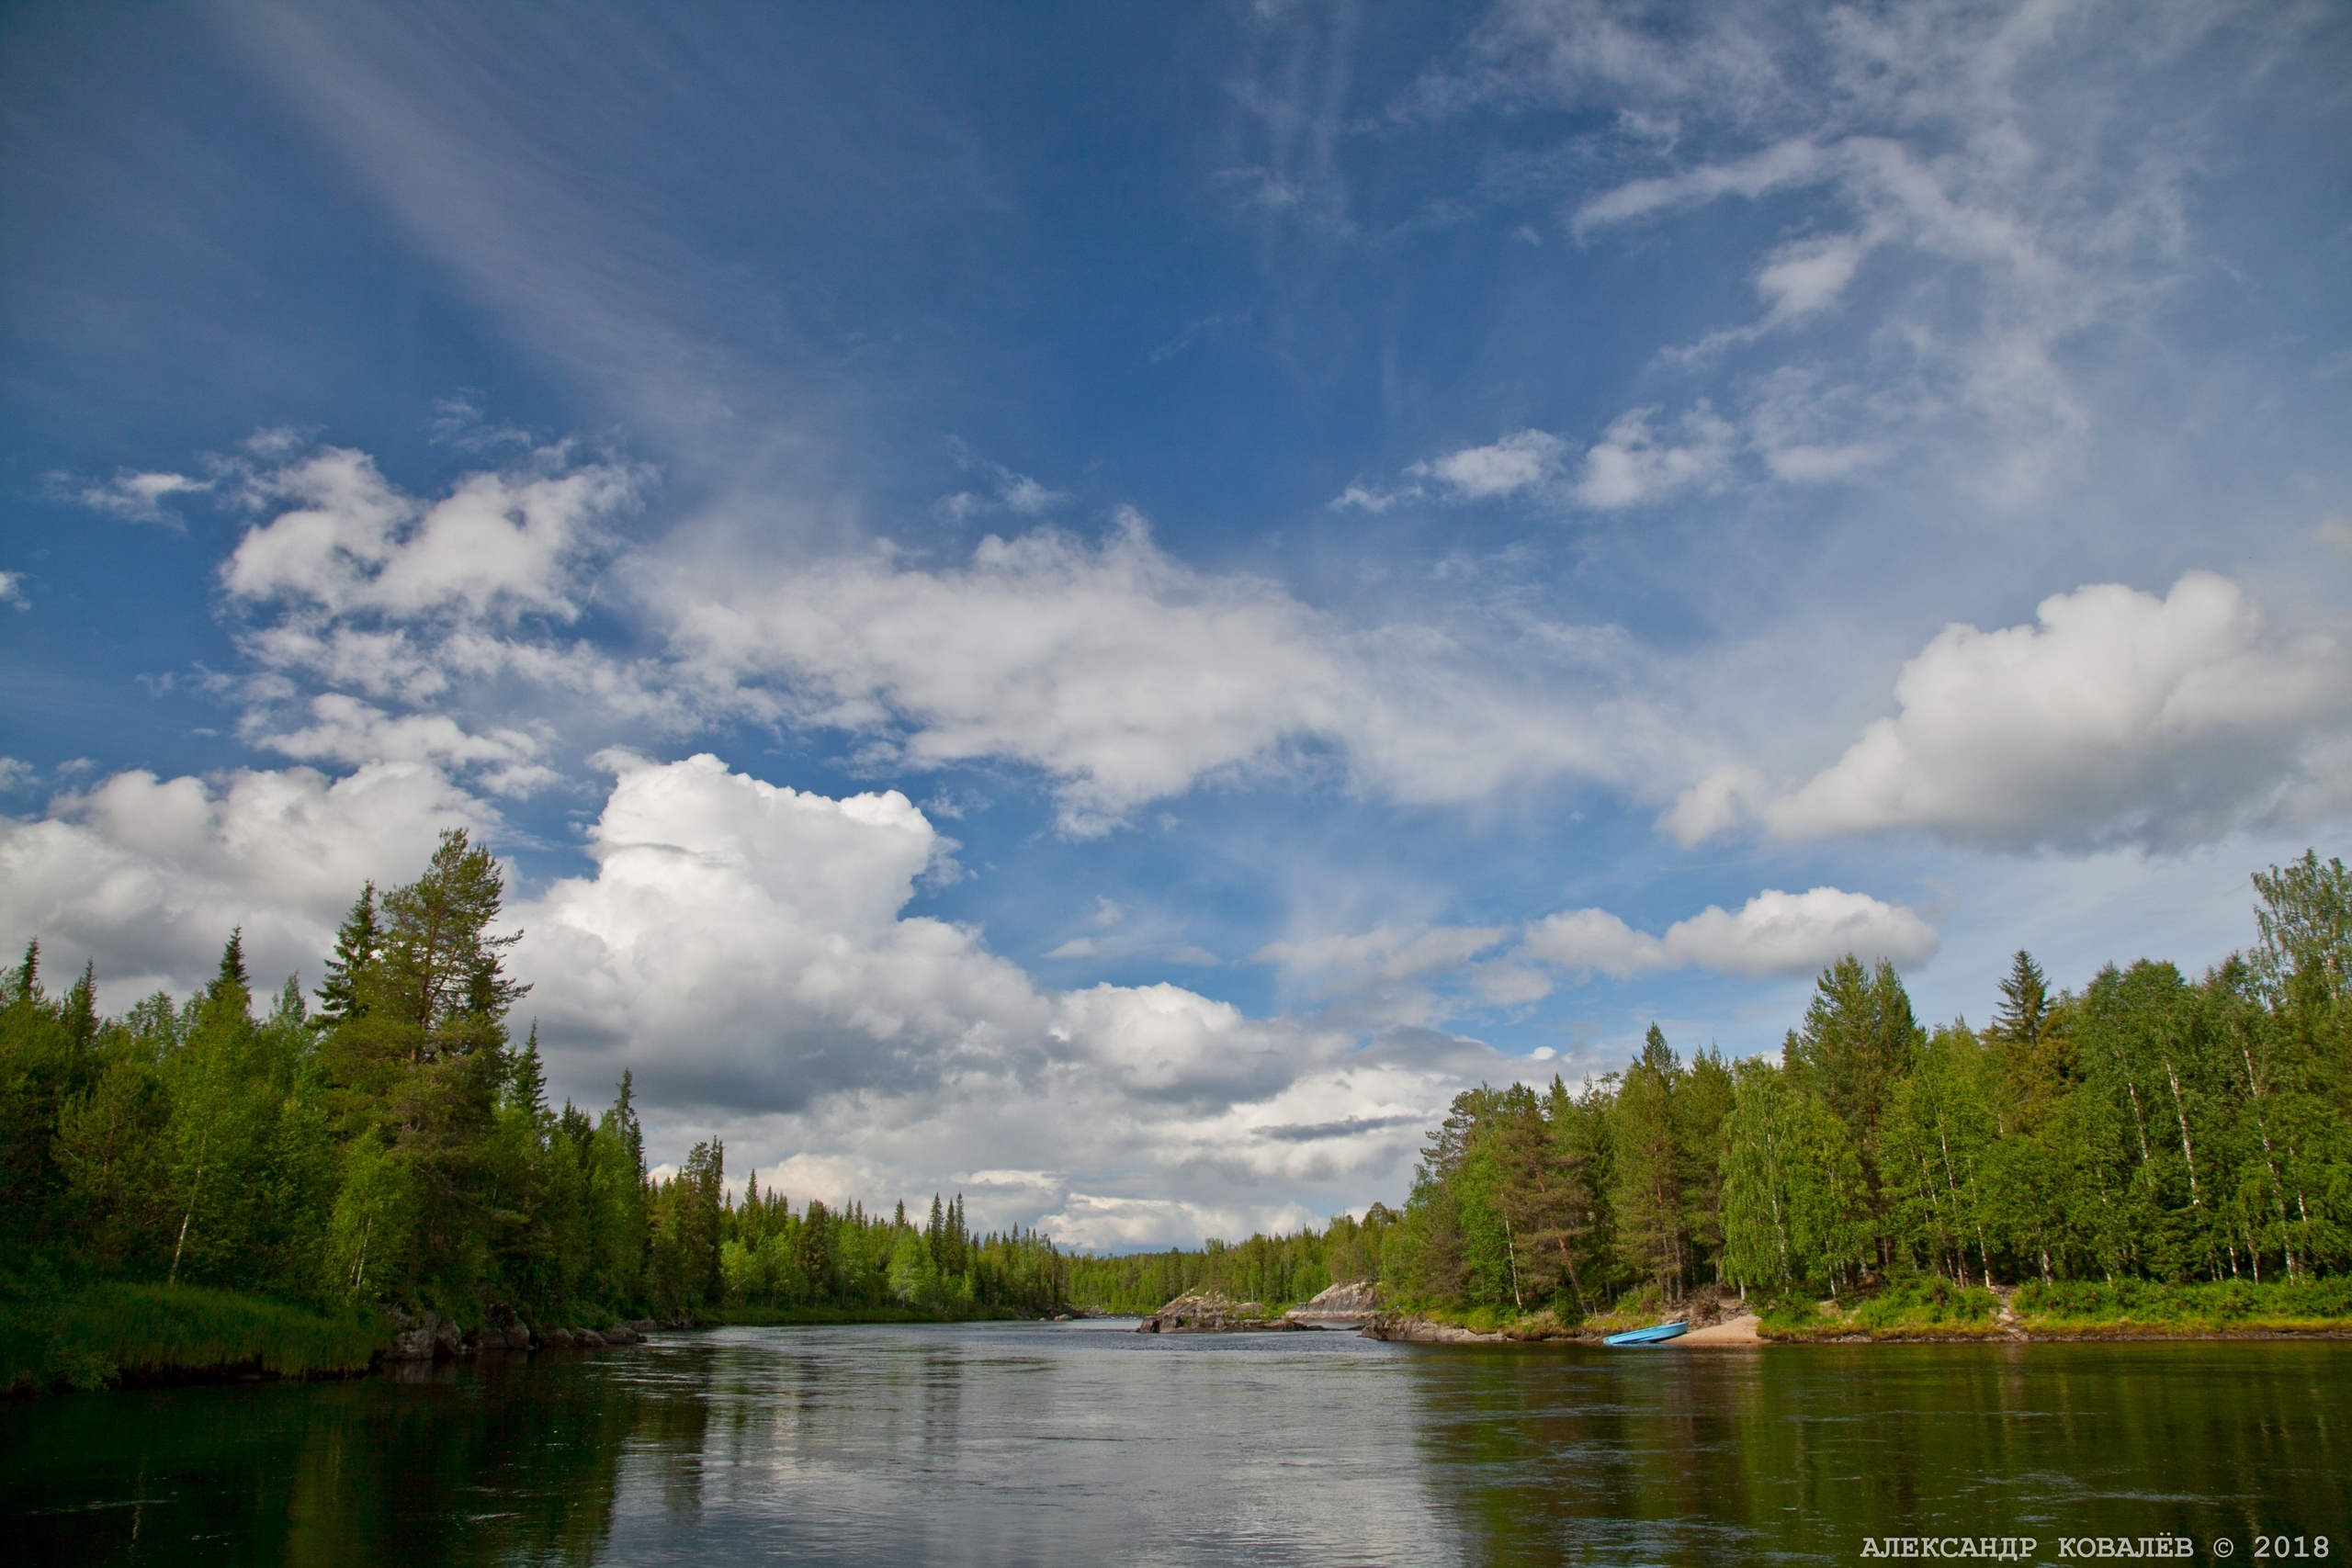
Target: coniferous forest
[[389, 1151]]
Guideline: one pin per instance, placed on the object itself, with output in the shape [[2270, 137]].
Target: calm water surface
[[1083, 1443]]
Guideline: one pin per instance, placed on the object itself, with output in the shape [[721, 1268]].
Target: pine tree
[[357, 942]]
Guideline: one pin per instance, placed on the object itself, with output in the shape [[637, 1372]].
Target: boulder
[[1411, 1328], [622, 1334], [449, 1339], [414, 1343], [1208, 1312], [557, 1339], [1351, 1305], [501, 1330]]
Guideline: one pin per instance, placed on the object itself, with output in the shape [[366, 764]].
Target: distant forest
[[393, 1148], [2149, 1127]]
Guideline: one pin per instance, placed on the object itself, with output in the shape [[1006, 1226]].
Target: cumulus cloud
[[502, 544], [745, 948], [147, 876], [2118, 717], [12, 590], [1774, 933], [1422, 974]]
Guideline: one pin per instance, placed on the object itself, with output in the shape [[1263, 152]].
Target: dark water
[[1083, 1443]]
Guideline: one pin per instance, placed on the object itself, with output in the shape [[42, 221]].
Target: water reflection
[[1081, 1443]]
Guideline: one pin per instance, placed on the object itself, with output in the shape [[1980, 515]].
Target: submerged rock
[[1351, 1305], [1207, 1312]]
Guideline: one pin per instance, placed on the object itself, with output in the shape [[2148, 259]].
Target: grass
[[2085, 1309], [105, 1334], [1927, 1308]]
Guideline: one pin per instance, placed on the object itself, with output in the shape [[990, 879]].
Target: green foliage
[[106, 1332], [217, 1177], [1279, 1271], [2195, 1308], [2152, 1130]]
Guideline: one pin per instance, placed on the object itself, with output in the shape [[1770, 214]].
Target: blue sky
[[1236, 567]]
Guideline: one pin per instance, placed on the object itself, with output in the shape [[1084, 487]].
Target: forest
[[2147, 1128], [386, 1147]]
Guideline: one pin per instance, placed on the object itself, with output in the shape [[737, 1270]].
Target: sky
[[1103, 606]]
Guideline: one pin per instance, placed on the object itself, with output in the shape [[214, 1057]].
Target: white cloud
[[1807, 275], [12, 590], [139, 497], [2121, 718], [148, 876], [745, 948], [1385, 955], [2016, 175], [1773, 933], [345, 729], [1632, 465], [1791, 163], [502, 544], [1127, 676], [1521, 461]]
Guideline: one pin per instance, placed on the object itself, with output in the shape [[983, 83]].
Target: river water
[[1084, 1443]]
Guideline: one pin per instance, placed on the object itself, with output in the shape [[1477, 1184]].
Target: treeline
[[392, 1146], [2149, 1128], [1271, 1269], [770, 1256]]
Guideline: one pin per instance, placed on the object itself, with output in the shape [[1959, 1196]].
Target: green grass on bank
[[2085, 1308], [1930, 1308], [103, 1334]]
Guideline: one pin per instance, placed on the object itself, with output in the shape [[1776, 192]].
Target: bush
[[1931, 1301]]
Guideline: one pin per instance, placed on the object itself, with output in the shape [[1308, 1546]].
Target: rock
[[1412, 1328], [501, 1330], [447, 1340], [1351, 1305], [413, 1344], [622, 1334], [645, 1325], [1206, 1311], [556, 1339]]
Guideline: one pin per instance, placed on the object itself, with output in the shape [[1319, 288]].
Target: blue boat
[[1656, 1336]]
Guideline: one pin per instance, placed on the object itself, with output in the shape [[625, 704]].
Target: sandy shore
[[1740, 1330]]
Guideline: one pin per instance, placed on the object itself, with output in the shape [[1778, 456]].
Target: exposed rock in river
[[1351, 1305], [1206, 1311], [1411, 1328]]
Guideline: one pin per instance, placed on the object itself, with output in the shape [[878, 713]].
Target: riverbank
[[107, 1333], [1931, 1311]]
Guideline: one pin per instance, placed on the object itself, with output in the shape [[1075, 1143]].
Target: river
[[1083, 1443]]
